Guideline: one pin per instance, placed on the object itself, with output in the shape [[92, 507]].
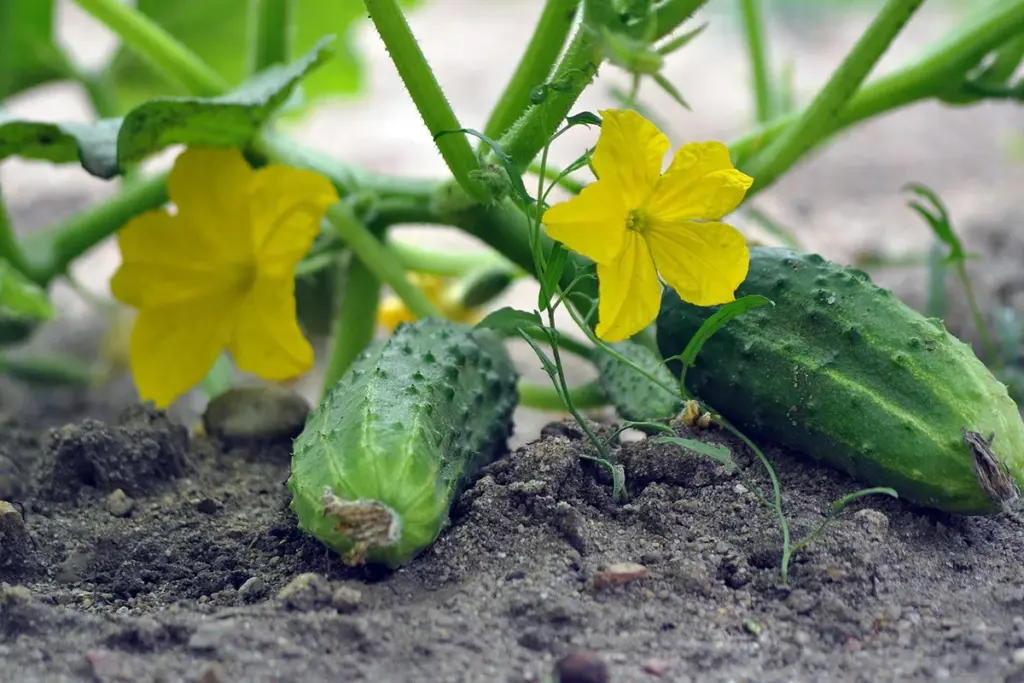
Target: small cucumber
[[842, 371], [634, 396], [405, 429]]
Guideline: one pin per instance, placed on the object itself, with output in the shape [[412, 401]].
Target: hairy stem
[[426, 93], [379, 260], [355, 321], [930, 75], [819, 118], [52, 251], [535, 65], [157, 46], [752, 13], [270, 33]]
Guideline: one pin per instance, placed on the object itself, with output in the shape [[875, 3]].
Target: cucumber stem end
[[367, 524]]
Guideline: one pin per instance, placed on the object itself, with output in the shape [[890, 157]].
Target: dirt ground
[[196, 572], [187, 575]]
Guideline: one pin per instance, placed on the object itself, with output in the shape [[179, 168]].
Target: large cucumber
[[410, 423], [841, 370]]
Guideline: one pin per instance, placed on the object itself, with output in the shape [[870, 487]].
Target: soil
[[151, 554]]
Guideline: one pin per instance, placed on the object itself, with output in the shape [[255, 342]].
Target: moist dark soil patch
[[151, 555]]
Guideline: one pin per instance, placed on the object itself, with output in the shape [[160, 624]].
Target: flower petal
[[630, 293], [700, 184], [703, 262], [166, 259], [267, 340], [210, 187], [629, 154], [592, 223], [287, 206], [174, 346]]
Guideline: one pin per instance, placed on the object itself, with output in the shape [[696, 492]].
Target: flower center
[[638, 221]]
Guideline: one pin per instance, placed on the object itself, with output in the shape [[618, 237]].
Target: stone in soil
[[263, 412]]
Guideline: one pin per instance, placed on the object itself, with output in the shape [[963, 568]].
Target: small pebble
[[656, 667], [306, 592], [752, 627], [875, 522], [207, 506], [252, 589], [581, 666], [119, 504], [106, 665], [346, 599], [260, 412], [213, 673], [620, 573]]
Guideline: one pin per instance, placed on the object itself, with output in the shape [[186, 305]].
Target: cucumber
[[406, 428], [635, 397], [842, 371]]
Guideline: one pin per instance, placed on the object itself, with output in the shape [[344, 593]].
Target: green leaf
[[28, 56], [719, 454], [715, 323], [216, 30], [20, 297], [105, 148], [937, 218], [509, 319], [552, 274]]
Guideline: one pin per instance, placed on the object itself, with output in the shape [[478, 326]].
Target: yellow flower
[[393, 311], [219, 272], [636, 222]]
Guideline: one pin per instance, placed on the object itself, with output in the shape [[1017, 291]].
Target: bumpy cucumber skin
[[634, 396], [409, 424], [844, 372]]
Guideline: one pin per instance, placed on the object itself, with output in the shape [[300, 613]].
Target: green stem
[[535, 65], [10, 249], [444, 263], [48, 371], [671, 15], [568, 344], [379, 260], [505, 228], [426, 93], [565, 182], [546, 397], [355, 321], [157, 46], [930, 75], [53, 251], [530, 133], [787, 549], [270, 33], [752, 13], [820, 117], [995, 358]]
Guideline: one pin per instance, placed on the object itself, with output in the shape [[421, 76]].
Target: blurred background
[[845, 202]]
